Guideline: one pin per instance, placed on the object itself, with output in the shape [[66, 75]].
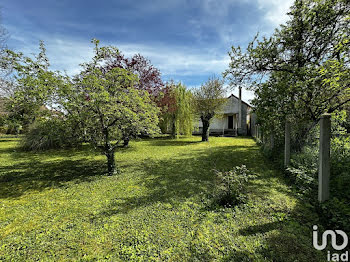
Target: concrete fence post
[[254, 131], [324, 158], [287, 144], [272, 140]]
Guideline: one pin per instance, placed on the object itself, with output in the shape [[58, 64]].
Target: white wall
[[230, 108], [219, 122]]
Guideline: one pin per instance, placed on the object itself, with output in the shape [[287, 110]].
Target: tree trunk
[[109, 152], [126, 141], [110, 161], [205, 133], [173, 129]]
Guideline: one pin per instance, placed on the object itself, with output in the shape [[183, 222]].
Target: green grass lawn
[[59, 205]]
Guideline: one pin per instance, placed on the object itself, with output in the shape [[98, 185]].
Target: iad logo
[[334, 256]]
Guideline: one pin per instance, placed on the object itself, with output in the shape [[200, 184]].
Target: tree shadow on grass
[[287, 240], [287, 237], [3, 140], [35, 175], [173, 181], [186, 175], [39, 170], [174, 142], [252, 230]]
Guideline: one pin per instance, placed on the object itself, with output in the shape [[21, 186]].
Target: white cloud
[[217, 14], [275, 10], [67, 54], [180, 61]]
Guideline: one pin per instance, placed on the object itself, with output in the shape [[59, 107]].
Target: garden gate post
[[324, 158]]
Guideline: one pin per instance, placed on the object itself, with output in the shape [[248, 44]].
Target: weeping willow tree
[[184, 114], [178, 115]]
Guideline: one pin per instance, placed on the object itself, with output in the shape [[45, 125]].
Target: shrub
[[9, 125], [48, 133], [340, 166], [336, 214], [231, 186], [13, 127], [3, 127], [303, 169]]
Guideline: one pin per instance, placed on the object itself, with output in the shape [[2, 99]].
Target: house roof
[[232, 95]]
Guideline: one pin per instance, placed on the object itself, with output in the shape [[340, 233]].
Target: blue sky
[[187, 40]]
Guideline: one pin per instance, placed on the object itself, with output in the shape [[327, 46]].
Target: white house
[[236, 118]]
